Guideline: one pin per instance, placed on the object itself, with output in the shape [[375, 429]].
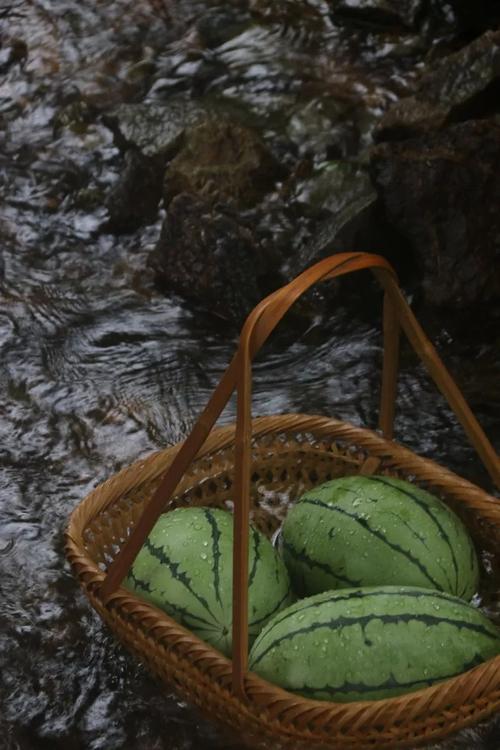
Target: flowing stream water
[[98, 367]]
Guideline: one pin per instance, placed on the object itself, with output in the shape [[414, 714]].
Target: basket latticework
[[287, 455]]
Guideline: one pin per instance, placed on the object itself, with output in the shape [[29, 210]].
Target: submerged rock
[[463, 85], [379, 12], [222, 160], [207, 255], [134, 199], [439, 192]]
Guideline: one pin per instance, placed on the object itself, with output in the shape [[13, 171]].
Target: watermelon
[[372, 643], [377, 530], [185, 569]]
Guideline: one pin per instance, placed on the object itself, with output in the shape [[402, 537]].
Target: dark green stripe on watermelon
[[389, 684], [423, 541], [365, 525], [279, 606], [139, 584], [256, 556], [301, 557], [346, 595], [181, 614], [412, 496], [181, 576], [215, 533]]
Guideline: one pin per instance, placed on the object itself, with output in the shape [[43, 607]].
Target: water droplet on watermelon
[[197, 527], [205, 544], [203, 556]]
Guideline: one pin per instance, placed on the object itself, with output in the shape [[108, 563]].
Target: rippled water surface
[[98, 367]]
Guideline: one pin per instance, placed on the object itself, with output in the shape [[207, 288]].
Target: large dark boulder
[[207, 255], [460, 86], [441, 193]]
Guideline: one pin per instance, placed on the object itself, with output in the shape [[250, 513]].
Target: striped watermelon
[[185, 568], [372, 643], [377, 530]]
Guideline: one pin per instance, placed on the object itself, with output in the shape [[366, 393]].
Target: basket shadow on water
[[262, 466]]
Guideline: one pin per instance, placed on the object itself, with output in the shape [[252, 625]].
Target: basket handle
[[336, 265]]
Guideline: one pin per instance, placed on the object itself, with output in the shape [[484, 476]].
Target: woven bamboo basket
[[254, 465]]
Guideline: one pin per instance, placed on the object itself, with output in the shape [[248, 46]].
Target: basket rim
[[222, 436], [476, 683]]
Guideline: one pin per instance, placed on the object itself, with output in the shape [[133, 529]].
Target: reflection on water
[[97, 367]]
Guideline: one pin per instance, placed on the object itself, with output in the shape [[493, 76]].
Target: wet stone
[[153, 129], [460, 86], [379, 12], [321, 129], [207, 255], [222, 160], [453, 232], [342, 194]]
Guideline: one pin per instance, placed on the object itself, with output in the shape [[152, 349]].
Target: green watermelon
[[185, 568], [377, 530], [372, 643]]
